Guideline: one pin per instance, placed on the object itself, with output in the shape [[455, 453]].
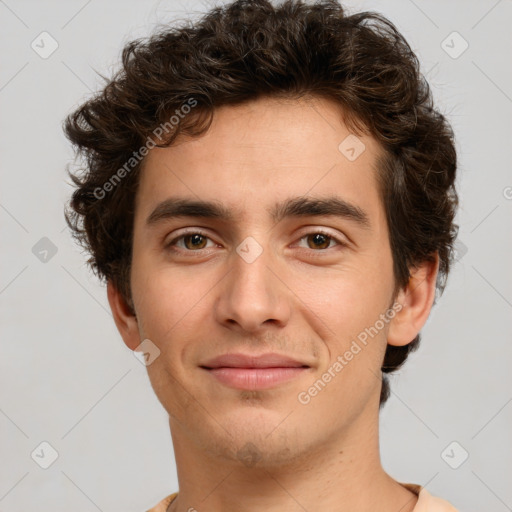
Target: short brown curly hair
[[251, 49]]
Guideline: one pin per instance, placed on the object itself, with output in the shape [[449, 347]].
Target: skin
[[300, 297]]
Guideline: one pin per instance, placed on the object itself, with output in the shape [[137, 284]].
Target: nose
[[253, 296]]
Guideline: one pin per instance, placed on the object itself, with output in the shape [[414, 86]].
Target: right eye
[[191, 241]]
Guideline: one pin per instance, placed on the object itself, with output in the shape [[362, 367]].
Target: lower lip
[[255, 378]]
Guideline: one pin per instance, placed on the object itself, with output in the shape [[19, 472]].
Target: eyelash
[[172, 243]]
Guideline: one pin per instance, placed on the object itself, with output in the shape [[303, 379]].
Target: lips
[[272, 360], [248, 372]]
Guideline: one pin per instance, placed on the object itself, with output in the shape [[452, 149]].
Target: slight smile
[[250, 372]]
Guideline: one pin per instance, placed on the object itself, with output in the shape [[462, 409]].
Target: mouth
[[249, 372]]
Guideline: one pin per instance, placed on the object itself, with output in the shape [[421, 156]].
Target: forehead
[[262, 153]]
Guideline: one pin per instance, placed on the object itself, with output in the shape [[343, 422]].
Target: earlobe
[[124, 318], [416, 301]]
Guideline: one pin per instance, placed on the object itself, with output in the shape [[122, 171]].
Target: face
[[291, 258]]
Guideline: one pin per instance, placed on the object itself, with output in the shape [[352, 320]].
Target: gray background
[[67, 378]]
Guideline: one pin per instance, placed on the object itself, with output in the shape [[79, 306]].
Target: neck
[[342, 474]]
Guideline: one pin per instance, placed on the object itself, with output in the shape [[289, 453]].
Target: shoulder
[[162, 505], [427, 502]]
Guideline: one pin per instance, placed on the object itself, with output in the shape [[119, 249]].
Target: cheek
[[165, 298], [345, 308], [346, 300], [170, 311], [353, 348], [174, 311]]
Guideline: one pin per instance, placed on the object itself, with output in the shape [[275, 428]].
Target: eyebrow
[[294, 207]]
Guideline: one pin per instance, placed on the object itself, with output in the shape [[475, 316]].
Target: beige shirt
[[426, 502]]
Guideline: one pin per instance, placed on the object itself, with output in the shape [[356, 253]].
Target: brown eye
[[318, 240], [194, 241]]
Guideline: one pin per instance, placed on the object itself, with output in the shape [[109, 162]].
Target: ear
[[416, 301], [125, 320]]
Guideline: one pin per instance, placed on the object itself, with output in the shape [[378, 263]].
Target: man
[[269, 194]]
